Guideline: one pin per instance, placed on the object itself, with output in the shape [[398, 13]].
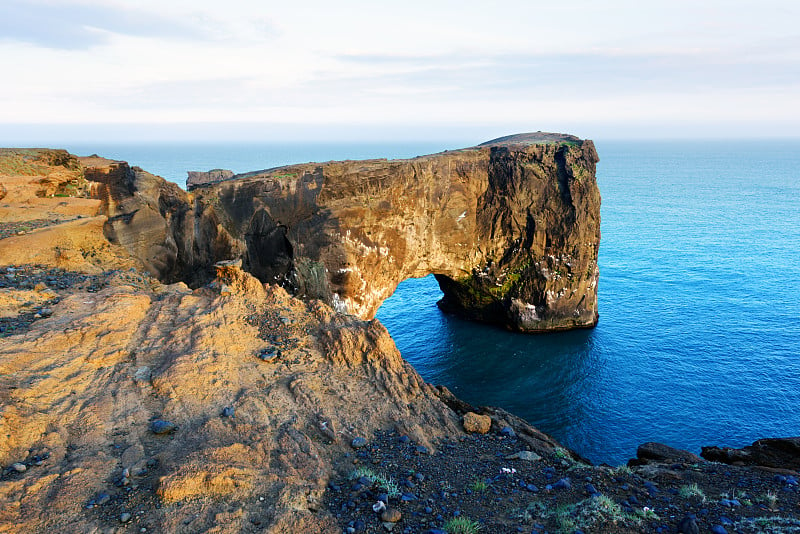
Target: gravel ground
[[472, 481], [8, 229], [31, 276]]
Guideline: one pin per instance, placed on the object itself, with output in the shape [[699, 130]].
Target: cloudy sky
[[413, 69]]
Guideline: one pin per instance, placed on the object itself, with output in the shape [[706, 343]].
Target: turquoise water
[[699, 334]]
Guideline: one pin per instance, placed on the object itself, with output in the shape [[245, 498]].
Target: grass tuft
[[691, 490], [479, 485], [462, 525], [378, 479]]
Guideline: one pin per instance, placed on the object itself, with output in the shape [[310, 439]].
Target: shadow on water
[[546, 379]]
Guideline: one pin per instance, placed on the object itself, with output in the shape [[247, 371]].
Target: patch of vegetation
[[622, 470], [378, 479], [691, 490], [774, 525], [462, 525], [479, 485], [21, 164], [509, 282], [562, 454], [585, 514], [771, 500]]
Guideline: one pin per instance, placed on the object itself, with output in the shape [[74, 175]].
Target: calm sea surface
[[699, 334]]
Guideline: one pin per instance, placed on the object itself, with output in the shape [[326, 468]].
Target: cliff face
[[510, 229]]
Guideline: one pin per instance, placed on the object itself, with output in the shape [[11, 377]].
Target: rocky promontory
[[510, 229]]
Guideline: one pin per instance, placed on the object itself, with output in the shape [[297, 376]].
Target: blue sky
[[200, 70]]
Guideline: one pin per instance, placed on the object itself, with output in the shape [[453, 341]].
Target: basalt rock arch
[[510, 228]]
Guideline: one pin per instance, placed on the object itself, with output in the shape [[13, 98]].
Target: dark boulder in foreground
[[660, 453]]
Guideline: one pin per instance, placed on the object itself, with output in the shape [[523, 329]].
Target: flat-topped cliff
[[510, 229]]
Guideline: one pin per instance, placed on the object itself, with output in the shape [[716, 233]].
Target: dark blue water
[[699, 334]]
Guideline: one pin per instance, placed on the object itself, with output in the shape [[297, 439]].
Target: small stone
[[404, 439], [562, 484], [388, 526], [45, 312], [528, 456], [125, 517], [591, 490], [532, 488], [391, 515], [268, 355], [475, 423], [19, 467], [142, 375], [228, 411], [718, 529], [357, 443], [508, 431], [160, 426], [102, 499]]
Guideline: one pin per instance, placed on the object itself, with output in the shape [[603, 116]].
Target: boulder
[[476, 423]]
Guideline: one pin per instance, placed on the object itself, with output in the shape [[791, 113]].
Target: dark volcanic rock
[[781, 453], [658, 452]]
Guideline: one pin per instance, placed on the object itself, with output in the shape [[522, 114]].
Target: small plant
[[646, 514], [691, 490], [378, 479], [462, 525], [562, 454], [479, 485], [771, 500], [622, 470]]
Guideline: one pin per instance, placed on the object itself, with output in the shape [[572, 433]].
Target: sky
[[117, 70]]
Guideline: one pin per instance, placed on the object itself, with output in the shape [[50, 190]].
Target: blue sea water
[[699, 335]]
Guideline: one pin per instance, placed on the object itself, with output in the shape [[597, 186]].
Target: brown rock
[[391, 515], [478, 424]]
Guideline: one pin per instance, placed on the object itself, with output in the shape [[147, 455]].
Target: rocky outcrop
[[244, 441], [200, 178], [781, 453], [510, 229]]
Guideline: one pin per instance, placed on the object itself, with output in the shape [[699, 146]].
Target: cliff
[[510, 229]]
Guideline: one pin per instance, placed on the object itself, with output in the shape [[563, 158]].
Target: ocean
[[699, 335]]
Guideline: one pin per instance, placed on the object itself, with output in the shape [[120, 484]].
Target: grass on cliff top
[[34, 162]]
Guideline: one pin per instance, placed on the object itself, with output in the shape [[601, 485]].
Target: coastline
[[167, 352]]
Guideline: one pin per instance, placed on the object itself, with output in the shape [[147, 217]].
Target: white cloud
[[519, 62]]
